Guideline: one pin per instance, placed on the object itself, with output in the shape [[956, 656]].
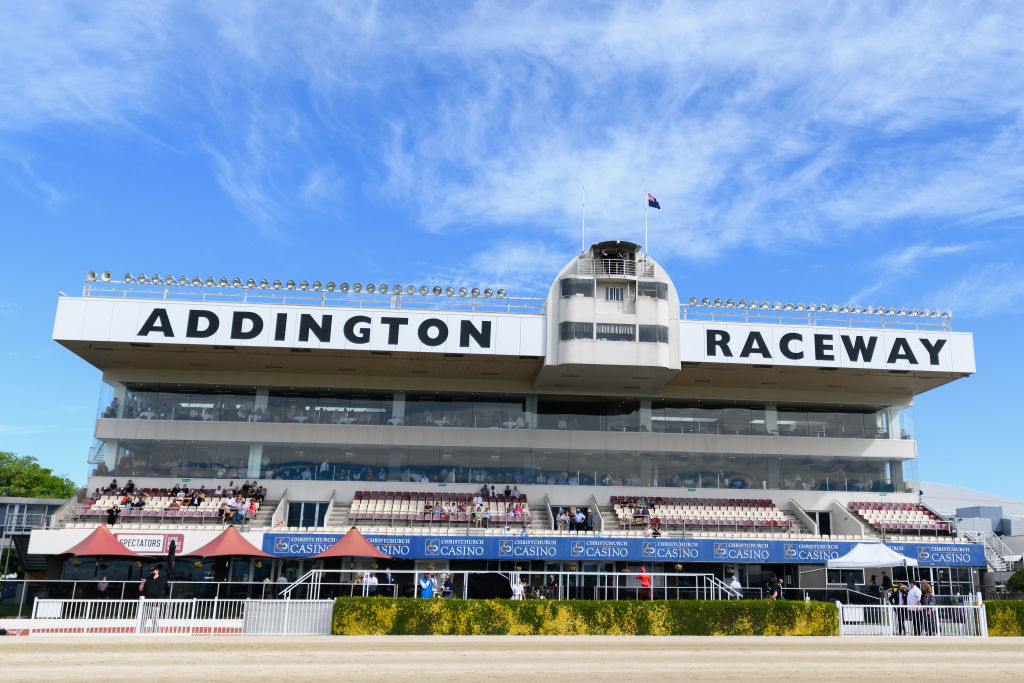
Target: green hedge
[[411, 616], [1005, 617]]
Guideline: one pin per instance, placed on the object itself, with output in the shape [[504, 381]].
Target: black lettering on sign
[[788, 339], [481, 336], [393, 326], [901, 351], [280, 326], [158, 321], [933, 349], [718, 339], [823, 347], [238, 320], [357, 336], [435, 324], [855, 347], [321, 331], [755, 344], [194, 317]]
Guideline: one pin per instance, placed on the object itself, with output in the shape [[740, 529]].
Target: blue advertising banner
[[630, 549]]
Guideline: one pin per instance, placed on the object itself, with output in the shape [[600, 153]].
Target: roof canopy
[[228, 543], [868, 555], [353, 544], [100, 543]]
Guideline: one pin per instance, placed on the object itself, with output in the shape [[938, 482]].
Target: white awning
[[869, 555]]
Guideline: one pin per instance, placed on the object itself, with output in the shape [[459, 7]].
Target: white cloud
[[986, 290], [757, 125]]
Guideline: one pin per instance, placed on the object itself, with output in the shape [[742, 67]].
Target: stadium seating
[[430, 510], [157, 509], [700, 515], [900, 518]]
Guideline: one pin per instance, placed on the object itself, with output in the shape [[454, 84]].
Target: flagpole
[[583, 230], [646, 202]]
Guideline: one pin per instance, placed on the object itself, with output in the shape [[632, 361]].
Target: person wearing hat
[[898, 599], [426, 586]]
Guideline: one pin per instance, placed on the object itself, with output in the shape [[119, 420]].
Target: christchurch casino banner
[[629, 549]]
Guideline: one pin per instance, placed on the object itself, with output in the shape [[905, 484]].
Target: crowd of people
[[236, 505], [574, 519]]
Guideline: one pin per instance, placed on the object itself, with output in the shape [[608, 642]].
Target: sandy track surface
[[450, 658]]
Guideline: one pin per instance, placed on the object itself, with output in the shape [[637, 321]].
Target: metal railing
[[391, 297], [770, 314], [567, 585], [171, 617], [24, 522], [961, 621], [613, 267]]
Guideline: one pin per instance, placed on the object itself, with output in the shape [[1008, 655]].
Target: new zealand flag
[[651, 201]]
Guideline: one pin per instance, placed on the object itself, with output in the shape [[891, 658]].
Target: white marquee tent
[[870, 555]]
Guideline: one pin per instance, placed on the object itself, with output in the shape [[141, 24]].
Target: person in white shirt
[[735, 587], [914, 603]]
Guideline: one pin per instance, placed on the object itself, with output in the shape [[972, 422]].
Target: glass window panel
[[552, 466], [737, 472], [487, 464], [589, 467], [679, 470], [736, 420], [616, 332], [623, 414], [456, 463], [577, 287], [792, 421], [423, 464], [709, 470], [654, 333], [825, 474], [707, 419]]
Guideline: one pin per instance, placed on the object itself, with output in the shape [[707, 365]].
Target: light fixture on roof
[[290, 284], [869, 310], [223, 282], [501, 294], [371, 288], [411, 289], [857, 309], [475, 291], [397, 289], [183, 281], [197, 281], [343, 287], [436, 291], [142, 279], [169, 280], [330, 287], [729, 303], [264, 284], [383, 289], [449, 291], [914, 312], [250, 283], [156, 280], [237, 283], [777, 306], [949, 314], [753, 304], [705, 301], [902, 311], [105, 276], [463, 291], [317, 286], [717, 303], [692, 301], [356, 287], [742, 303], [424, 290], [90, 276], [926, 313], [304, 286], [488, 293], [765, 305], [128, 277], [801, 307], [789, 306]]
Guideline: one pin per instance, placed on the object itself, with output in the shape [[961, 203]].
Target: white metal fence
[[144, 617], [961, 621]]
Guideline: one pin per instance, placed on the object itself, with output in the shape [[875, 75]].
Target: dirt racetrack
[[507, 658]]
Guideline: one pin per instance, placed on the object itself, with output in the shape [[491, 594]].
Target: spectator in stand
[[561, 520], [222, 511], [218, 491], [140, 501], [129, 487], [898, 598], [492, 493], [487, 517], [515, 493], [581, 521], [113, 514], [886, 584], [508, 492], [590, 519], [446, 586], [525, 532], [195, 500], [648, 532], [507, 530], [101, 588]]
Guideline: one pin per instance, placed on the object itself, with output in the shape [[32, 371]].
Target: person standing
[[426, 586], [154, 588], [898, 599], [914, 605], [101, 588], [929, 616], [645, 585], [736, 587], [389, 586]]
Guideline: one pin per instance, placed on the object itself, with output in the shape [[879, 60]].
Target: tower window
[[614, 293]]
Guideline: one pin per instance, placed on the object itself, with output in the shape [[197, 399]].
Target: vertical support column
[[771, 418], [645, 415], [398, 408], [110, 449], [531, 411], [255, 460]]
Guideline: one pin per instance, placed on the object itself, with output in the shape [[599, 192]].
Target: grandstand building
[[762, 436]]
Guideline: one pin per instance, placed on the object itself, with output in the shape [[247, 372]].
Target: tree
[[22, 476], [1015, 584]]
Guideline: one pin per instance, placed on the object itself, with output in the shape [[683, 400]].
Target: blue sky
[[864, 153]]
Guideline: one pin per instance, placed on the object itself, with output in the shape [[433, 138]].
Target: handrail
[[598, 517], [280, 514], [799, 512]]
